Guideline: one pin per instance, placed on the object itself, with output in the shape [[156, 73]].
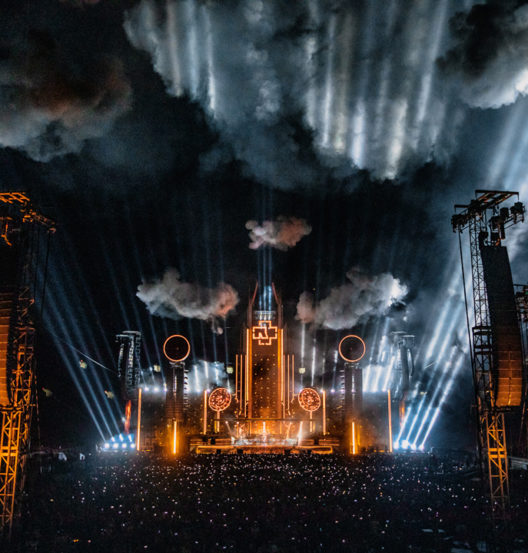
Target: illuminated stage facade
[[260, 404], [272, 413]]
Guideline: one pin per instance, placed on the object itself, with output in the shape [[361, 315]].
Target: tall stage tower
[[264, 373]]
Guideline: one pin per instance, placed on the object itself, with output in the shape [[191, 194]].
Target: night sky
[[343, 132]]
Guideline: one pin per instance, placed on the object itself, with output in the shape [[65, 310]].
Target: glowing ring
[[219, 399], [352, 360], [309, 399], [181, 358]]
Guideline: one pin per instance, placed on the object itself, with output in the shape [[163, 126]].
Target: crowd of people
[[262, 504]]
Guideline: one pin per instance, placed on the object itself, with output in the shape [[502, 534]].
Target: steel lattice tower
[[486, 225], [19, 225]]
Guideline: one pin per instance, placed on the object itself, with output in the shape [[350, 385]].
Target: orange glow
[[174, 437], [353, 444], [264, 333], [205, 413], [184, 356], [128, 413], [362, 342], [324, 412], [309, 399], [219, 399], [281, 378], [248, 407], [138, 437]]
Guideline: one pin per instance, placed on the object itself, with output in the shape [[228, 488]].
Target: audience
[[260, 503]]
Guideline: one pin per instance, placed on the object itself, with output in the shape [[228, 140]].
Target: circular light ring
[[219, 399], [309, 399], [360, 340], [182, 348]]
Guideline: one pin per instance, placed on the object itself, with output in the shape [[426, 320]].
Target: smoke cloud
[[48, 106], [346, 305], [172, 298], [283, 233], [489, 59], [305, 92]]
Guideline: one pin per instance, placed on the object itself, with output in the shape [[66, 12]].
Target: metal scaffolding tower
[[19, 224], [486, 223], [128, 362]]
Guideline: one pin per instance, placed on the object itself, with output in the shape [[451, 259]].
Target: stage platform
[[226, 446]]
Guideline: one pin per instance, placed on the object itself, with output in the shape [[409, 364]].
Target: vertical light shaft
[[205, 413], [236, 377], [353, 438], [287, 369], [390, 418], [138, 440], [292, 378]]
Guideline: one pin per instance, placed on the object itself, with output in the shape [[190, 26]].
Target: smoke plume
[[490, 56], [363, 296], [172, 298], [283, 233], [48, 106]]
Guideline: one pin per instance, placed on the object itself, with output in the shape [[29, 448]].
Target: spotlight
[[517, 210], [302, 370], [229, 369], [422, 447], [133, 445], [146, 388], [396, 445], [156, 389], [107, 445], [413, 447], [123, 446], [405, 444], [115, 446]]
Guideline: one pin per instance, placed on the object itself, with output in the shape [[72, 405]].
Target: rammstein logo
[[265, 333]]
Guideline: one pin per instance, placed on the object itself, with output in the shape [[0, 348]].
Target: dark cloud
[[49, 107], [488, 61], [304, 93]]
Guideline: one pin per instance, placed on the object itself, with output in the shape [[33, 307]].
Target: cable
[[82, 353], [45, 278], [466, 303], [475, 388]]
